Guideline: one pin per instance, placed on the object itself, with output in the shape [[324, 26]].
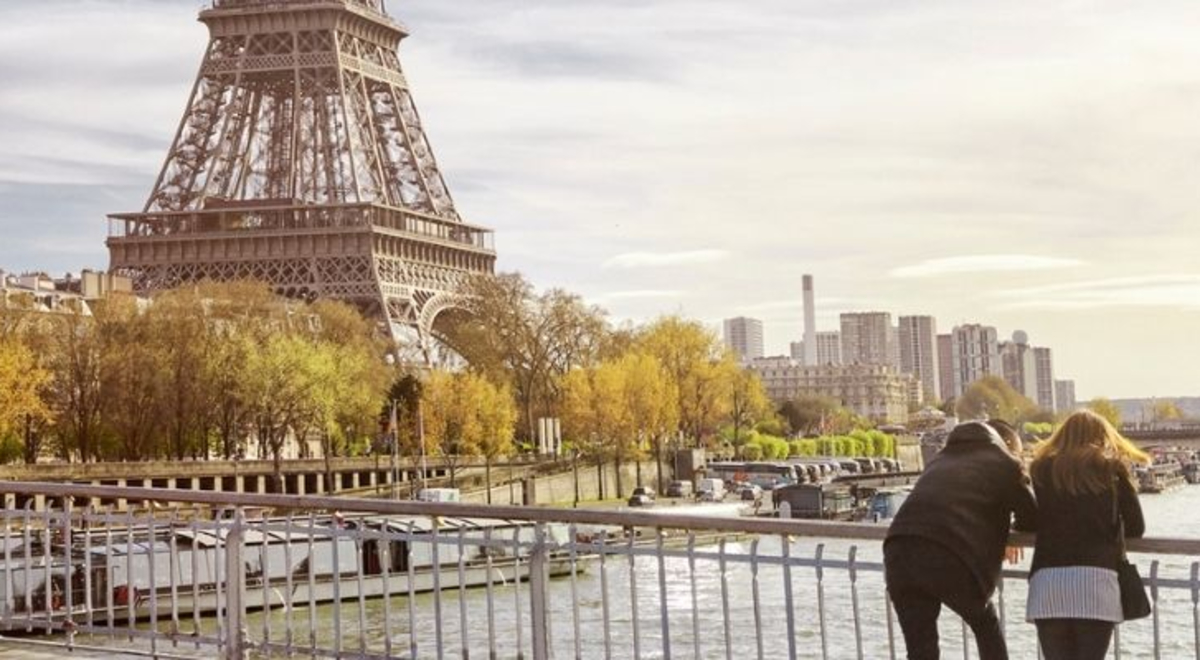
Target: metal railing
[[335, 578]]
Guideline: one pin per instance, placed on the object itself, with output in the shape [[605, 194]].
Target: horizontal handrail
[[600, 517]]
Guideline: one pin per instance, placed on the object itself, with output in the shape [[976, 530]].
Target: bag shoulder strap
[[1118, 521]]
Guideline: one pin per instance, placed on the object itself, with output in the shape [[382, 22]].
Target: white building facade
[[877, 392]]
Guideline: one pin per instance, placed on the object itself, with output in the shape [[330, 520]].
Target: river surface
[[1175, 514]]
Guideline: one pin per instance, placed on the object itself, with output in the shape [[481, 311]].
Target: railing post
[[538, 595], [235, 589]]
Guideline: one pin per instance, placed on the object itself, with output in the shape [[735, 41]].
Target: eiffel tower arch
[[301, 161]]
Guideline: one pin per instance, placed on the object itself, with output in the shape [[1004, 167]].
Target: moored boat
[[173, 571], [1160, 477]]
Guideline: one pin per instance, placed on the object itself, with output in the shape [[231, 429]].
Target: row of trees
[[992, 397], [195, 374], [207, 369], [556, 353], [858, 443], [669, 383]]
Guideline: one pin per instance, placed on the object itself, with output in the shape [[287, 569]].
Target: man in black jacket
[[946, 544]]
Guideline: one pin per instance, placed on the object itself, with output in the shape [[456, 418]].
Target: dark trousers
[[921, 577], [1074, 639]]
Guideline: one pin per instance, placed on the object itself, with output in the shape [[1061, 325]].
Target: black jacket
[[965, 500], [1080, 530]]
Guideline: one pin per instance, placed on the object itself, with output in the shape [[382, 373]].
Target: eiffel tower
[[301, 162]]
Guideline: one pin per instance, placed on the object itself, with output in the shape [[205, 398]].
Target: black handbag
[[1134, 603]]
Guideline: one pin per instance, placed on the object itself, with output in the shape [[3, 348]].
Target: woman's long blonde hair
[[1085, 453]]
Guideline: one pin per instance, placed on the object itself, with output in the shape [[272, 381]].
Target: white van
[[440, 495], [710, 490]]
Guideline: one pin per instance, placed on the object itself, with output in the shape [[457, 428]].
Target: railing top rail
[[618, 518]]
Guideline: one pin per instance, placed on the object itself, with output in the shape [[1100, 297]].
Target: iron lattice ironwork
[[301, 161]]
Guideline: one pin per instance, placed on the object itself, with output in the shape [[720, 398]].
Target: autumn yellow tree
[[21, 381], [696, 363], [749, 403], [466, 415], [653, 410], [993, 397], [596, 416], [497, 426], [1106, 409], [1165, 411]]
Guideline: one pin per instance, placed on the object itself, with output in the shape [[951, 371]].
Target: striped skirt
[[1074, 592]]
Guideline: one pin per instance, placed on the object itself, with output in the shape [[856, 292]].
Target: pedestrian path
[[20, 649]]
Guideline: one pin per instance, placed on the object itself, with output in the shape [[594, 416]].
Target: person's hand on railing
[[1014, 554]]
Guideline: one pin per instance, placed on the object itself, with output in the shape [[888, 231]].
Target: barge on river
[[1160, 477], [144, 572]]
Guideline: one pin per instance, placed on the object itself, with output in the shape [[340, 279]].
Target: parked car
[[642, 496], [711, 490], [680, 489]]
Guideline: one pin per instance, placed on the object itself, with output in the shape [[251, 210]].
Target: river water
[[1175, 514]]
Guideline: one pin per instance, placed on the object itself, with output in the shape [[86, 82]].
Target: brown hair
[[1084, 455]]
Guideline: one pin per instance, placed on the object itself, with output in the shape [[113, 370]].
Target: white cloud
[[1179, 292], [661, 259], [639, 295], [983, 263]]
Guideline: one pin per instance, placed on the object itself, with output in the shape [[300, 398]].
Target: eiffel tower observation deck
[[301, 161]]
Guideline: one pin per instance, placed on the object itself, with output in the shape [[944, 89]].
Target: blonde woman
[[1083, 481]]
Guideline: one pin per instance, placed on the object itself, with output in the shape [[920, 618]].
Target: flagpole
[[395, 433], [421, 439]]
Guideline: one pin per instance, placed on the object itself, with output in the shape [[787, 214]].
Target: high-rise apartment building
[[829, 348], [1064, 395], [867, 338], [1044, 364], [1018, 365], [976, 353], [744, 336], [918, 349], [796, 350], [945, 350]]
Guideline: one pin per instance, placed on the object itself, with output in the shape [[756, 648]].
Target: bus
[[766, 475]]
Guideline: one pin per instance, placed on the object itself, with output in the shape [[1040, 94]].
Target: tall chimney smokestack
[[810, 323]]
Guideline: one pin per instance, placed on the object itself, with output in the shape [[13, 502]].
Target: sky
[[1030, 165]]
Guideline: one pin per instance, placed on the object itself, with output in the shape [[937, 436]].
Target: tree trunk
[[575, 472], [620, 485], [30, 444], [277, 468], [600, 478], [326, 450], [658, 462], [487, 476]]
